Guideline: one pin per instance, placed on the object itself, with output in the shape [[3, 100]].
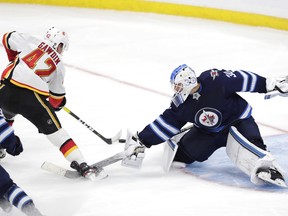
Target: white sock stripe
[[23, 201], [14, 194]]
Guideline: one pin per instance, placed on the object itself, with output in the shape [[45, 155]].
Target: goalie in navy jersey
[[212, 104]]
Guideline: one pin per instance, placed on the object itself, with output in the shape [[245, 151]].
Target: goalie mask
[[56, 37], [183, 79]]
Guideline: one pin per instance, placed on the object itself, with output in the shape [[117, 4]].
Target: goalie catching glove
[[135, 151], [278, 84]]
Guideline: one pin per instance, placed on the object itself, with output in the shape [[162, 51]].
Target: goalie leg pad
[[248, 157]]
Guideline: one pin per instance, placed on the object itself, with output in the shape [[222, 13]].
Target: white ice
[[118, 68]]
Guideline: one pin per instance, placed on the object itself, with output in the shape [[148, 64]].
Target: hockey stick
[[106, 140], [274, 94], [72, 174]]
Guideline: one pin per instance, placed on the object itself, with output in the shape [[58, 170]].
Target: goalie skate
[[271, 176]]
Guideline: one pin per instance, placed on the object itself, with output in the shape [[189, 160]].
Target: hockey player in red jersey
[[32, 86], [220, 117]]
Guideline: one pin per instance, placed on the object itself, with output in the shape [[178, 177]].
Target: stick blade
[[274, 94], [60, 170]]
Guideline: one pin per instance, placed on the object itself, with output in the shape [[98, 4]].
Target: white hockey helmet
[[55, 37], [183, 79]]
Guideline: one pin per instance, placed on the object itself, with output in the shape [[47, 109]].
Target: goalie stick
[[106, 140], [72, 174], [274, 94]]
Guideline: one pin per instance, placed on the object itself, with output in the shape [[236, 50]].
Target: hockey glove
[[15, 149], [57, 106], [279, 84], [135, 151], [61, 105]]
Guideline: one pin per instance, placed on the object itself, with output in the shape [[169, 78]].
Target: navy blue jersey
[[8, 140], [5, 181], [214, 107], [7, 137]]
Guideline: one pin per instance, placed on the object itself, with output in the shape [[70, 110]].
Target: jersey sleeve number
[[33, 57]]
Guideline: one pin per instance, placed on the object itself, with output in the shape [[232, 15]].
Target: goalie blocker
[[170, 149]]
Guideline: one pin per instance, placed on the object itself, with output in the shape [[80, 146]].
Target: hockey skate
[[92, 173], [272, 176], [2, 153]]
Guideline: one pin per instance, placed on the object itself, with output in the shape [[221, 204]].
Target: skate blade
[[266, 177]]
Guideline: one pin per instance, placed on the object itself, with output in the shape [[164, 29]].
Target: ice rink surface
[[118, 67]]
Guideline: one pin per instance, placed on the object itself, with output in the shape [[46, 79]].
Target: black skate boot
[[89, 172]]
